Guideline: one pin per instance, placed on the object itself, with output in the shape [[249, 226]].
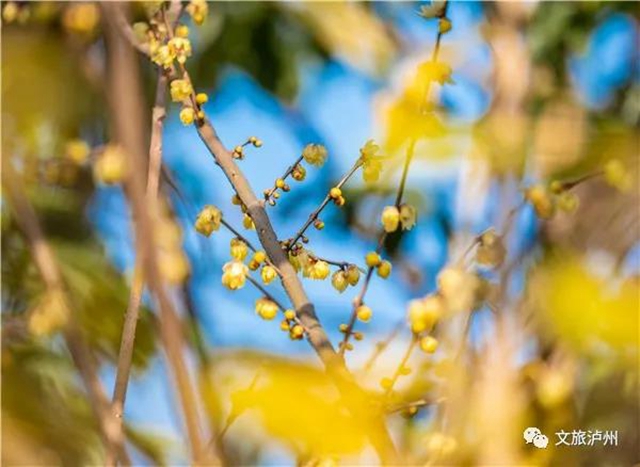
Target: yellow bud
[[201, 98], [372, 259], [343, 327], [384, 269], [568, 202], [260, 256], [339, 281], [111, 165], [289, 314], [390, 218], [247, 222], [299, 173], [542, 203], [428, 344], [386, 383], [491, 251], [408, 216], [363, 312], [424, 313], [284, 325], [280, 183], [77, 151], [335, 192], [444, 25], [353, 274], [297, 331]]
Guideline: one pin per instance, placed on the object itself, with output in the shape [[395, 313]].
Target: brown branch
[[125, 93], [132, 313], [44, 258]]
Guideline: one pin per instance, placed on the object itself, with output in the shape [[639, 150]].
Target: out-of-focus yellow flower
[[315, 154], [553, 388], [266, 309], [268, 274], [180, 90], [173, 265], [444, 25], [77, 151], [289, 315], [459, 288], [319, 270], [168, 234], [50, 314], [202, 98], [208, 220], [424, 313], [198, 10], [390, 218], [339, 281], [371, 161], [81, 18], [541, 200], [567, 202], [428, 344], [234, 275], [182, 30], [617, 175], [110, 166], [430, 71], [372, 259], [10, 12], [408, 216]]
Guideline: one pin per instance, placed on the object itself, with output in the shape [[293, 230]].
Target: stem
[[381, 346], [133, 308], [314, 215], [403, 362]]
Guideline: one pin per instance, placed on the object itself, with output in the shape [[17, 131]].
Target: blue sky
[[335, 107]]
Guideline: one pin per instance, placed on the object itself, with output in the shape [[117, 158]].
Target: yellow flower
[[289, 315], [247, 222], [617, 175], [173, 266], [372, 259], [239, 249], [428, 344], [353, 274], [180, 90], [208, 220], [319, 270], [111, 165], [339, 281], [371, 165], [181, 48], [81, 18], [435, 71], [234, 275], [424, 313], [182, 30], [364, 313], [163, 56], [384, 269], [369, 150], [187, 116], [77, 150], [315, 154], [198, 10], [266, 309], [260, 256], [390, 218], [10, 12], [268, 274], [408, 216], [335, 192]]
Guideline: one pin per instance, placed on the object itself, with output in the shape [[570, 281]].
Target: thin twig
[[401, 366], [381, 346], [316, 212], [289, 171]]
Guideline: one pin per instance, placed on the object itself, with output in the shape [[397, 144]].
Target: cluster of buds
[[404, 216], [292, 325], [336, 195], [347, 275], [383, 267], [546, 200], [238, 151], [314, 154]]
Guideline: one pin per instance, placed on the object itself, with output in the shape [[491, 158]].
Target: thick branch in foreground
[[353, 394], [125, 99]]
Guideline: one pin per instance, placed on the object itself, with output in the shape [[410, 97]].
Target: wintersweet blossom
[[208, 220], [234, 275]]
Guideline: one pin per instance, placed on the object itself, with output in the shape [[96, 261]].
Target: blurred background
[[541, 91]]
